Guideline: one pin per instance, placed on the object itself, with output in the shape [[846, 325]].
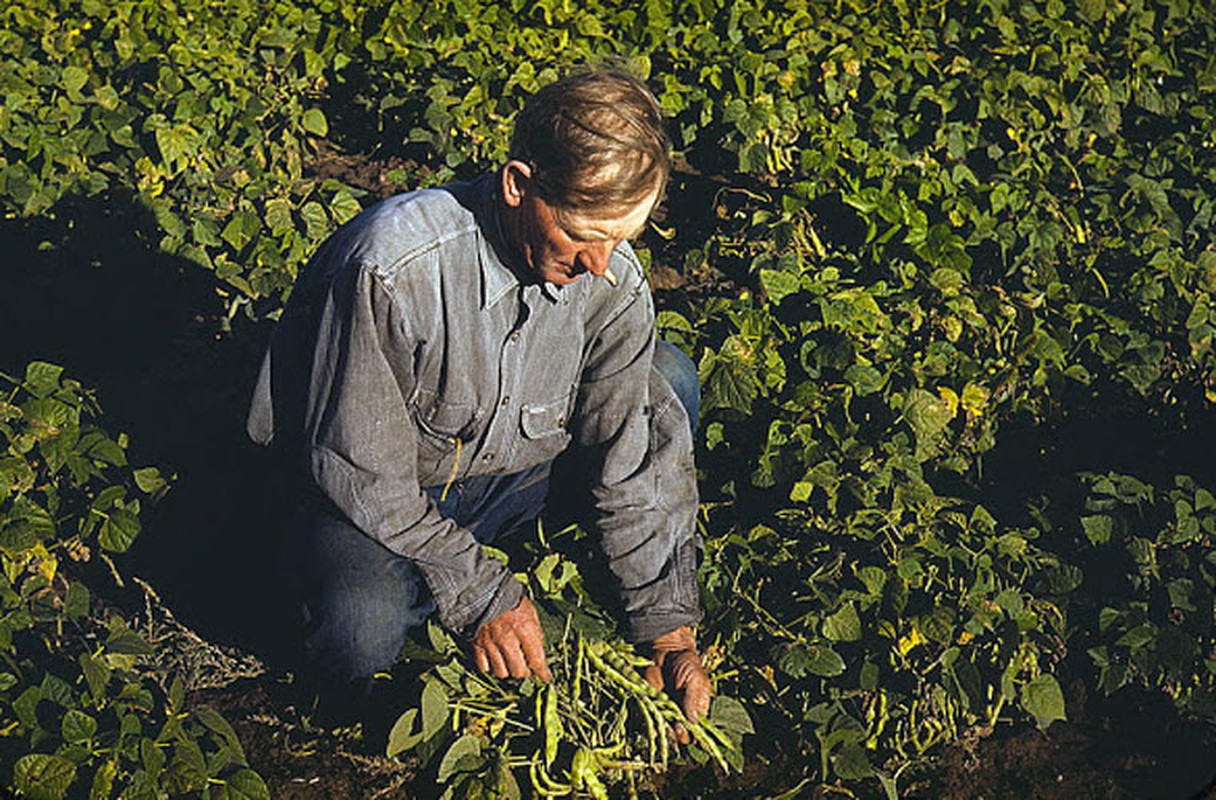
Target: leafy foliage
[[76, 711], [906, 226], [1155, 622]]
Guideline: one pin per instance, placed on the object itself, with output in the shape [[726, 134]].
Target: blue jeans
[[361, 599]]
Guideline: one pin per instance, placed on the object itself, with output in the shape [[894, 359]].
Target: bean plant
[[896, 235]]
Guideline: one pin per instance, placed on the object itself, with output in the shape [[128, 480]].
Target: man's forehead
[[623, 224]]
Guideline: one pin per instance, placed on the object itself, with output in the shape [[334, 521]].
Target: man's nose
[[595, 257]]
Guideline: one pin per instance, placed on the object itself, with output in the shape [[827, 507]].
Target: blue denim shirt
[[416, 349]]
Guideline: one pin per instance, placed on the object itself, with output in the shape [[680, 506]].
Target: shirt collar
[[497, 278]]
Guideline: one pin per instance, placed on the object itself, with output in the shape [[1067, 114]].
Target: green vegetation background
[[947, 270]]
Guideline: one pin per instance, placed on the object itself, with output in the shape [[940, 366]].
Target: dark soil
[[1128, 746], [298, 759]]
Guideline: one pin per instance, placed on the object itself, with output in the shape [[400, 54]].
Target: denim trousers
[[360, 600]]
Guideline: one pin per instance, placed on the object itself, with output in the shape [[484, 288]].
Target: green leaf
[[44, 777], [96, 674], [927, 415], [78, 727], [127, 642], [730, 715], [825, 662], [844, 625], [26, 706], [864, 379], [41, 378], [316, 221], [434, 708], [177, 143], [215, 722], [402, 737], [103, 781], [241, 229], [315, 123], [673, 321], [150, 481], [851, 762], [118, 531], [188, 767], [1138, 637], [463, 756], [778, 284], [177, 695], [245, 784], [1098, 528], [278, 216], [1043, 699], [74, 78], [344, 207], [729, 377], [797, 659]]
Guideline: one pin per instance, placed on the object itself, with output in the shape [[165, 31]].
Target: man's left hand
[[677, 669]]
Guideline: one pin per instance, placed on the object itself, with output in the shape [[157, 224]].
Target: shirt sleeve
[[360, 443], [643, 481]]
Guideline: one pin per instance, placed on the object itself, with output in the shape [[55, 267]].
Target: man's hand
[[512, 644], [677, 669]]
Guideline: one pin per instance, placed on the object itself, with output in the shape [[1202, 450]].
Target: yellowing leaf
[[45, 563], [975, 398], [907, 643], [950, 398]]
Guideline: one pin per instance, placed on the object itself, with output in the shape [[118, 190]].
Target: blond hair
[[595, 141]]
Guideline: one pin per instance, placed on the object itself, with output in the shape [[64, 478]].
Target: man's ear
[[515, 179]]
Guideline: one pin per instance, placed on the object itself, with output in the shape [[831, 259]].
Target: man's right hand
[[512, 644]]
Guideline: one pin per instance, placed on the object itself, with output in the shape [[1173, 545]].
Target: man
[[436, 356]]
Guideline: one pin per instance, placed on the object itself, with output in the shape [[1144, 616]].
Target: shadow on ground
[[87, 288]]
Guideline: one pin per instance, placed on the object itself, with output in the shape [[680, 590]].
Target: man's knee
[[353, 636], [361, 602]]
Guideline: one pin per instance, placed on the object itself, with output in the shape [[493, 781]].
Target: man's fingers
[[654, 676], [498, 667], [534, 655], [696, 700], [512, 644], [480, 658], [513, 654]]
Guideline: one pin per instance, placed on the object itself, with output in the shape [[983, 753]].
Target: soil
[[1127, 747]]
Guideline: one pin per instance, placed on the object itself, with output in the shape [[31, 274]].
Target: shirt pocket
[[544, 427], [441, 424]]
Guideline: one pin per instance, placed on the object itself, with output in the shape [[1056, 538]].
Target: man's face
[[559, 250]]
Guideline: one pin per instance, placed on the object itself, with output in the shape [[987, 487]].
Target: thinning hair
[[596, 142]]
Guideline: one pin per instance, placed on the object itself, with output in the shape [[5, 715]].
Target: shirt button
[[505, 401], [514, 336], [488, 457]]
